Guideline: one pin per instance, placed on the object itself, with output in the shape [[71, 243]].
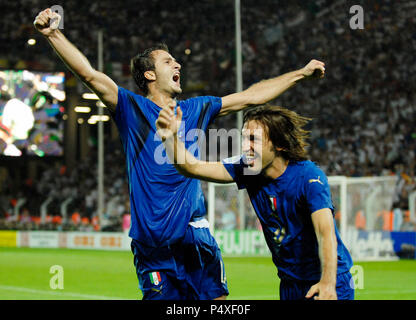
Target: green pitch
[[25, 274]]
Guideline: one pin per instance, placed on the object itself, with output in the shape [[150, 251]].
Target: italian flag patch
[[273, 202], [155, 278]]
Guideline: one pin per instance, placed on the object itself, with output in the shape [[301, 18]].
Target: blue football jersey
[[284, 207], [162, 201]]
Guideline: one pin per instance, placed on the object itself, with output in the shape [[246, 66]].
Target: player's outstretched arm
[[167, 127], [266, 90], [323, 223], [47, 23]]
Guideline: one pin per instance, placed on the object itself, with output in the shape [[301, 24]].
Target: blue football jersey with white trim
[[162, 201], [284, 207]]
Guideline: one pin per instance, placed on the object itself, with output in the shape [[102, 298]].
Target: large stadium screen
[[31, 110]]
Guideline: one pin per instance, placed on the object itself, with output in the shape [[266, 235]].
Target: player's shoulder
[[201, 100], [310, 170], [129, 93], [127, 97]]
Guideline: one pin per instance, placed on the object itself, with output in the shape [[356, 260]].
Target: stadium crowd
[[364, 111]]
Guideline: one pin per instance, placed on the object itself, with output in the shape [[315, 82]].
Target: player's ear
[[150, 75]]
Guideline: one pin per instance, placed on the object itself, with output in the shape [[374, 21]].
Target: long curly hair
[[284, 129]]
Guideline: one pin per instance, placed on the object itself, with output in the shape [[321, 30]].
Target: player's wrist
[[169, 135], [52, 34], [328, 281], [304, 72], [174, 133], [299, 75]]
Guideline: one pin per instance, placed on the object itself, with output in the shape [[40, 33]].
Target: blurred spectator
[[57, 222], [85, 225], [408, 224], [25, 221], [360, 221], [126, 222], [75, 220]]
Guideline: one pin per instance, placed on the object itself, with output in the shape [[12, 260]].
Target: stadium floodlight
[[95, 118], [31, 42], [89, 96], [100, 117], [101, 104], [81, 109]]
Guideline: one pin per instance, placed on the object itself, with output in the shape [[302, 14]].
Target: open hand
[[167, 124], [322, 291]]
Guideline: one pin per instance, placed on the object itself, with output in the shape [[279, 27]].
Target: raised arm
[[266, 90], [323, 223], [167, 127], [46, 23]]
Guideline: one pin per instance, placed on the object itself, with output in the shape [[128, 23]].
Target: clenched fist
[[314, 68], [47, 21]]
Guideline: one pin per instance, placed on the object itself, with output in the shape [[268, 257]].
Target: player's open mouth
[[176, 78], [249, 159]]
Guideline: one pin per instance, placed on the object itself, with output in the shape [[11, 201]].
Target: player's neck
[[160, 98], [276, 168]]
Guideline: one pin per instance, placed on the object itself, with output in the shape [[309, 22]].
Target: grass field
[[97, 275]]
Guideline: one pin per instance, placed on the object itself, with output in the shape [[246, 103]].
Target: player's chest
[[278, 205]]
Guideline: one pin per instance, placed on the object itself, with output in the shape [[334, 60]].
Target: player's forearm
[[187, 165], [182, 159], [266, 90], [71, 56], [328, 256]]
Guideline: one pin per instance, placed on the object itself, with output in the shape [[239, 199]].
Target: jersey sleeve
[[213, 106], [202, 110], [123, 109], [317, 191], [235, 167], [130, 117]]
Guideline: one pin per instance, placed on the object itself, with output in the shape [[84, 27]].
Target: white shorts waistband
[[203, 223]]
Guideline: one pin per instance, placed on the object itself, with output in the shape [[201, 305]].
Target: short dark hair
[[284, 129], [144, 62]]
